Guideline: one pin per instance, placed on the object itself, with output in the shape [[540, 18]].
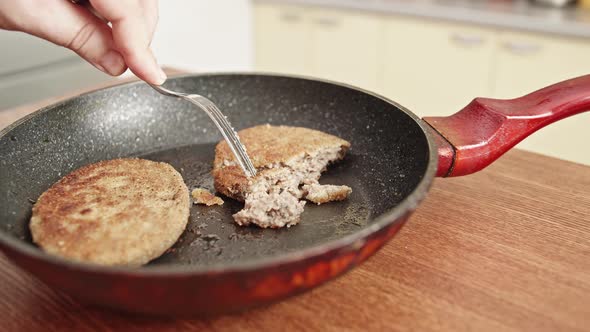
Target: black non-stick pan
[[217, 266]]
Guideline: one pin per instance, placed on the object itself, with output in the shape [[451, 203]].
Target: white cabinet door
[[436, 68], [527, 62], [281, 34], [346, 46]]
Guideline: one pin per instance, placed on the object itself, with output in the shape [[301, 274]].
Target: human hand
[[112, 50]]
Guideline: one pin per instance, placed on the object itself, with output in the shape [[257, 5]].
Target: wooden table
[[507, 249]]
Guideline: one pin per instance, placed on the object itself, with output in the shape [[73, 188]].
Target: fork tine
[[221, 122], [229, 134], [227, 125], [235, 137]]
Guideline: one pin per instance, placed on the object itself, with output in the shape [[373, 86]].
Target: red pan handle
[[485, 129]]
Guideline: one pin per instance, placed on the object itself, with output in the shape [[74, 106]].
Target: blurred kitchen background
[[432, 56]]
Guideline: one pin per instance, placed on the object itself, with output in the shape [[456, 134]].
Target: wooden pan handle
[[486, 128]]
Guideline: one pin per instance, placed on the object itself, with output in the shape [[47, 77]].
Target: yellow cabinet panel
[[432, 67], [436, 68], [345, 47], [527, 62], [281, 34]]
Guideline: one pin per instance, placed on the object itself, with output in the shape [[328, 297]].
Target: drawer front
[[436, 68], [527, 62], [281, 36]]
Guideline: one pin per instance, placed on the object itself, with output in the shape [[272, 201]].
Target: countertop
[[517, 14], [507, 249]]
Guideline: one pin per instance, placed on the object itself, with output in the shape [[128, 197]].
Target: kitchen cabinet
[[527, 62], [345, 47], [436, 68], [281, 37], [530, 61], [432, 67], [318, 42]]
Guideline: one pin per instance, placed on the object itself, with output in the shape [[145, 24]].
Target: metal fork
[[220, 120]]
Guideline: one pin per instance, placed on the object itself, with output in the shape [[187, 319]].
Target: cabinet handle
[[467, 39], [327, 22], [290, 17], [522, 48]]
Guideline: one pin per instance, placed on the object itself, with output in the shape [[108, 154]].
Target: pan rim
[[388, 218]]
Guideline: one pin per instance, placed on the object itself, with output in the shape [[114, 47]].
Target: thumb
[[76, 28]]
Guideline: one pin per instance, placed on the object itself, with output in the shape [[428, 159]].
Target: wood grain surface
[[507, 249]]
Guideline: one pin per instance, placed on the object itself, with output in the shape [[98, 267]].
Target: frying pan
[[217, 266]]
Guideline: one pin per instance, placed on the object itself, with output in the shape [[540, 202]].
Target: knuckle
[[82, 37]]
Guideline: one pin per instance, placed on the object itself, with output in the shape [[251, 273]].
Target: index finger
[[132, 25]]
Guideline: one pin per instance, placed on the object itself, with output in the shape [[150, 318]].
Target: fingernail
[[162, 76], [113, 63]]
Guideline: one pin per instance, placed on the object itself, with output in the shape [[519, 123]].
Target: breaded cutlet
[[287, 159], [205, 197], [114, 212]]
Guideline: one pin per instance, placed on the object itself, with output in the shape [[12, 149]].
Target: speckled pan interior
[[389, 155]]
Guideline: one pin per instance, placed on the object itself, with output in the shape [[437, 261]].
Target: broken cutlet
[[205, 197], [287, 158], [320, 194]]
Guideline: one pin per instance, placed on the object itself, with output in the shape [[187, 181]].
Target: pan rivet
[[358, 244]]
